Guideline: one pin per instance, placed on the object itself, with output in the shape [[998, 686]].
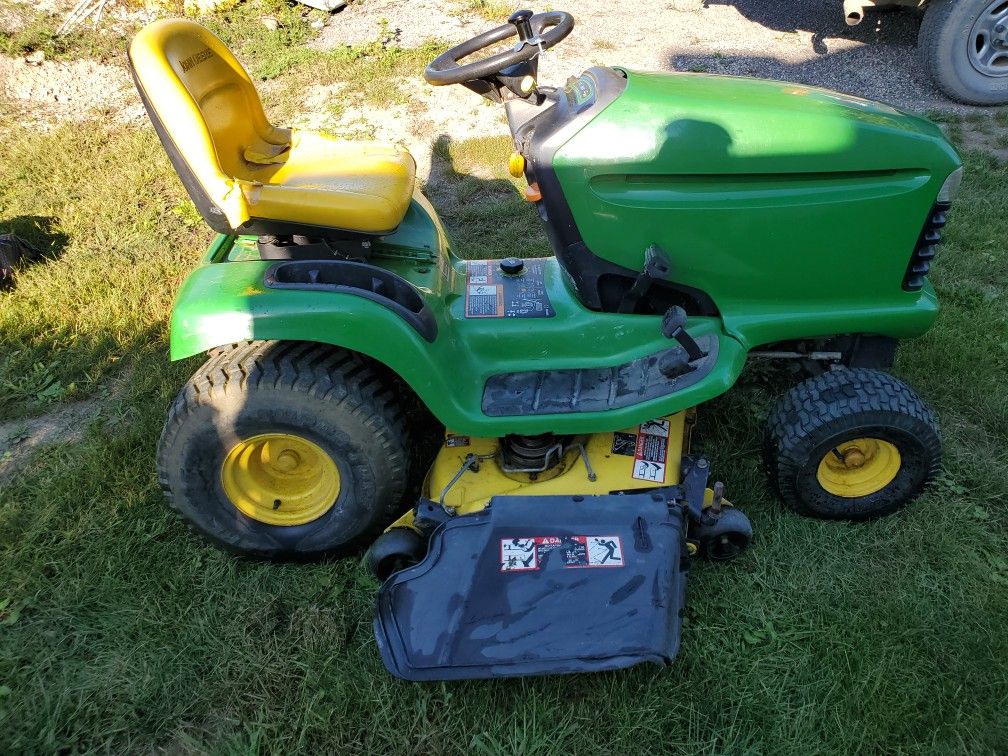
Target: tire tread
[[830, 397], [318, 371]]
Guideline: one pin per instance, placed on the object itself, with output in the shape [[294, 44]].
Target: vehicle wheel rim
[[280, 479], [859, 467], [988, 40]]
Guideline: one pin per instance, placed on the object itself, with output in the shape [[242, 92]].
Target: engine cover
[[536, 585]]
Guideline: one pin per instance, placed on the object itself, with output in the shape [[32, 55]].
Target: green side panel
[[224, 302], [795, 209]]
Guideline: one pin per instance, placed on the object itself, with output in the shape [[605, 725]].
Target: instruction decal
[[491, 294], [624, 443], [649, 448], [519, 554], [528, 554], [651, 453]]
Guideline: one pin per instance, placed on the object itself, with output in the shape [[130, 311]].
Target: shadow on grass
[[485, 215], [36, 239]]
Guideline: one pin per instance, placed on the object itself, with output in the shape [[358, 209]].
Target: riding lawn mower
[[696, 221]]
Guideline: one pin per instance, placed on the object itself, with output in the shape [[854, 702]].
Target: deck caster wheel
[[726, 537], [394, 550], [851, 445]]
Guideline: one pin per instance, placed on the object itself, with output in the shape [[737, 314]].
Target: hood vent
[[927, 245]]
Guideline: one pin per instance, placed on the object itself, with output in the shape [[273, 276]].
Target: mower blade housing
[[537, 585]]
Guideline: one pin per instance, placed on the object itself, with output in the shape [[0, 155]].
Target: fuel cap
[[512, 266]]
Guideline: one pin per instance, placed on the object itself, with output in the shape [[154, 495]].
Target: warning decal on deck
[[491, 294], [524, 554], [624, 443], [518, 554], [651, 451]]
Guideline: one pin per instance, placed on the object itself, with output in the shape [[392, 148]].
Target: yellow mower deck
[[635, 459]]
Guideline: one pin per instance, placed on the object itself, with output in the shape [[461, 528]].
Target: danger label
[[651, 451], [525, 554], [518, 554]]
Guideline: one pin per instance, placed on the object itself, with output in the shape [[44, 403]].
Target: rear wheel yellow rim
[[280, 479], [859, 467]]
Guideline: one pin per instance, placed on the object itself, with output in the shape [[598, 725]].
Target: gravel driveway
[[804, 41]]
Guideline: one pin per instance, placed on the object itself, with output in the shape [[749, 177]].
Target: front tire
[[963, 45], [851, 445], [285, 450]]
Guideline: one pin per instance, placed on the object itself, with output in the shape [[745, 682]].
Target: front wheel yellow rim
[[859, 467], [280, 479]]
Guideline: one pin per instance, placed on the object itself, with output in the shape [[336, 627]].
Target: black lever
[[673, 326], [520, 20], [656, 268]]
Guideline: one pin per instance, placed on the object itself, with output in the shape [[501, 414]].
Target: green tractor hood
[[777, 200]]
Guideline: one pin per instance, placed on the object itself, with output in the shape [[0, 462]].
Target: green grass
[[118, 238], [121, 632], [83, 42], [486, 213], [266, 53], [34, 30], [491, 10]]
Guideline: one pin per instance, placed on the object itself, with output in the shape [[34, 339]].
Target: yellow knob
[[527, 84], [516, 165]]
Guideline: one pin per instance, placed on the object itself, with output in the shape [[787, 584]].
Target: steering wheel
[[535, 33]]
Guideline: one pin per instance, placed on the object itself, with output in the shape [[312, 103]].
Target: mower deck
[[536, 585], [468, 472]]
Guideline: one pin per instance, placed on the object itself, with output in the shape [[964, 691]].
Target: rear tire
[[851, 445], [336, 409], [948, 32]]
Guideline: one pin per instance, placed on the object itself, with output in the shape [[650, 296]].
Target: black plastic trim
[[552, 617], [548, 392], [264, 227], [361, 280], [927, 244]]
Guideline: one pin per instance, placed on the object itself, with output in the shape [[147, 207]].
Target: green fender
[[222, 303], [227, 303]]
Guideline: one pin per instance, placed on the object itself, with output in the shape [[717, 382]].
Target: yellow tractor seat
[[244, 174]]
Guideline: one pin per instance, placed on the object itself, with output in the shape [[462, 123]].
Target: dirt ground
[[805, 41], [20, 438], [68, 89]]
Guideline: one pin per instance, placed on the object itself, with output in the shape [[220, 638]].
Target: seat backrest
[[206, 112]]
